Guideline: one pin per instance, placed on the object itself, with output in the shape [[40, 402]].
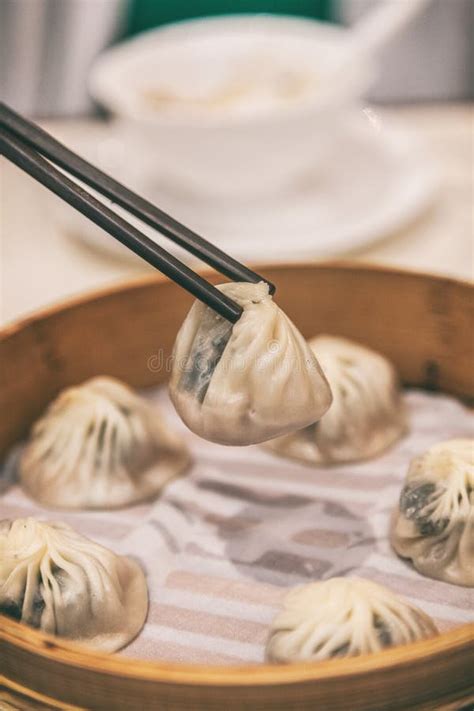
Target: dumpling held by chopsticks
[[247, 382]]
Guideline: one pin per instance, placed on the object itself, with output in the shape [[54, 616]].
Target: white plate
[[377, 181]]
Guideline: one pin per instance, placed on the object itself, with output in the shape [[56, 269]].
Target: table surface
[[41, 265]]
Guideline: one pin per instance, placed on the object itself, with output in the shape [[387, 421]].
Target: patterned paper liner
[[225, 542]]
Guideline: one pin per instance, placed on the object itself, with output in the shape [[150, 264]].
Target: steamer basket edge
[[385, 308]]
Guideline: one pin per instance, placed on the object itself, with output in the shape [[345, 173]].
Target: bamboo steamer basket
[[424, 324]]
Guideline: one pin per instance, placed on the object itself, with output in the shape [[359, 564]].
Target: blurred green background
[[145, 14]]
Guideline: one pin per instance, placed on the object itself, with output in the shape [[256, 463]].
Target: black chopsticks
[[28, 146]]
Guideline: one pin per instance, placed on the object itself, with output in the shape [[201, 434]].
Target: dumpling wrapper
[[343, 617], [367, 414], [248, 382], [434, 522], [64, 584], [99, 445]]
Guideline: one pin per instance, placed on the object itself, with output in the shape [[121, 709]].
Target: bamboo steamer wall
[[423, 323]]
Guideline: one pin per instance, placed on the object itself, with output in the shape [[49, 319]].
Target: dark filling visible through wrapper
[[413, 500], [208, 346], [14, 608], [383, 633]]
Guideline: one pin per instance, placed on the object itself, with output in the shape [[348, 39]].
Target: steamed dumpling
[[100, 446], [343, 617], [366, 416], [62, 583], [434, 522], [246, 382]]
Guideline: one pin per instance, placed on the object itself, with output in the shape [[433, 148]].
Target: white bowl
[[232, 105]]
